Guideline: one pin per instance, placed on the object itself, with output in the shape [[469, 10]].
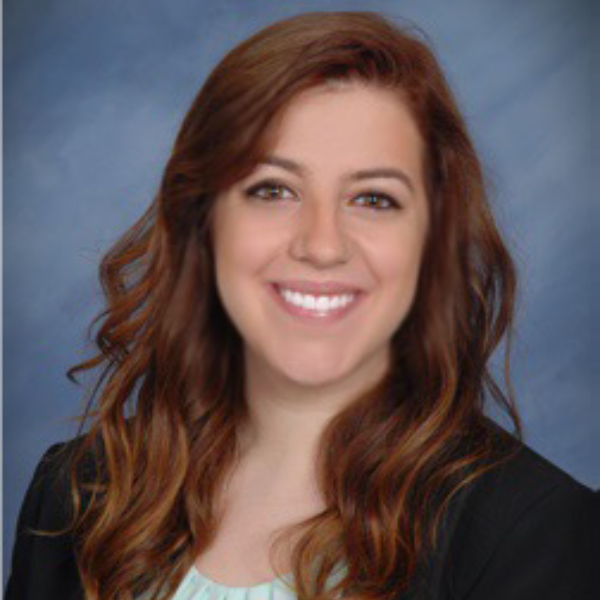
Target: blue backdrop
[[95, 92]]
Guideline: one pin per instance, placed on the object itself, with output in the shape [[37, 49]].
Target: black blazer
[[523, 531]]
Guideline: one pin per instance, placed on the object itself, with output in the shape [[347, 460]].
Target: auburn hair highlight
[[169, 400]]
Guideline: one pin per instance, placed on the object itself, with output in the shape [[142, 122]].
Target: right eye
[[271, 191]]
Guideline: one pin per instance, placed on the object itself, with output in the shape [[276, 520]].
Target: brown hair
[[390, 462]]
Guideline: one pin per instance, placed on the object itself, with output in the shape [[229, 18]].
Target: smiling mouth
[[316, 305]]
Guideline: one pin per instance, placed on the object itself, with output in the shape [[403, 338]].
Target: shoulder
[[512, 488], [523, 529], [47, 504], [44, 502], [51, 480], [44, 566]]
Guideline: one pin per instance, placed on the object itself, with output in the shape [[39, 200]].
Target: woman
[[294, 355]]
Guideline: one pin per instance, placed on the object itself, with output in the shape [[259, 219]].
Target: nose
[[320, 237]]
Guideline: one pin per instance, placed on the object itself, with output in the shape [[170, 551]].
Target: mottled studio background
[[94, 94]]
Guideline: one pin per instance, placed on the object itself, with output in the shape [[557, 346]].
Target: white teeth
[[317, 303], [322, 303]]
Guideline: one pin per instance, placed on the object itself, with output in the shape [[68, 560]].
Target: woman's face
[[318, 250]]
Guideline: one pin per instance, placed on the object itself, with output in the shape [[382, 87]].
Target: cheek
[[243, 246], [395, 257]]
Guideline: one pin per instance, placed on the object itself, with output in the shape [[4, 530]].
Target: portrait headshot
[[299, 301]]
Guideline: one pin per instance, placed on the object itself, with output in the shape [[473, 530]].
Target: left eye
[[270, 191], [376, 201]]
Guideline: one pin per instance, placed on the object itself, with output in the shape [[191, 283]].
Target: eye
[[271, 191], [376, 201]]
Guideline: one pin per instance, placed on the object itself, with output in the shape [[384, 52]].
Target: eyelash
[[253, 192]]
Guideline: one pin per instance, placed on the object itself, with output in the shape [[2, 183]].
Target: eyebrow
[[374, 173]]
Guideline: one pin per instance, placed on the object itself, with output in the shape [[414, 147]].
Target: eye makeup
[[272, 190]]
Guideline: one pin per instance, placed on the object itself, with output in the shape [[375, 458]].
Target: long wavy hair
[[169, 402]]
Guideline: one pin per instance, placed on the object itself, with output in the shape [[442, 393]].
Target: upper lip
[[318, 288]]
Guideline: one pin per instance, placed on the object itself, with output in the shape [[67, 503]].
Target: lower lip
[[314, 316]]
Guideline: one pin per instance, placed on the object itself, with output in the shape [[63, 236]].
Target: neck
[[286, 420]]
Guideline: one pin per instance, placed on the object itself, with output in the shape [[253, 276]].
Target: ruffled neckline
[[204, 578], [197, 586]]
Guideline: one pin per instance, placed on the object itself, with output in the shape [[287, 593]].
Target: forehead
[[347, 123]]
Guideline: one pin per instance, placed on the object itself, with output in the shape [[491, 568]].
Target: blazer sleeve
[[44, 567], [550, 551]]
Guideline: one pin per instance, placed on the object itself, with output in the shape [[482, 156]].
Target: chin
[[314, 373]]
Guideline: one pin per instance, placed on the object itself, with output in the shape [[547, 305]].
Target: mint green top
[[196, 586]]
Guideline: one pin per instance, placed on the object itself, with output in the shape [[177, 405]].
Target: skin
[[319, 225]]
